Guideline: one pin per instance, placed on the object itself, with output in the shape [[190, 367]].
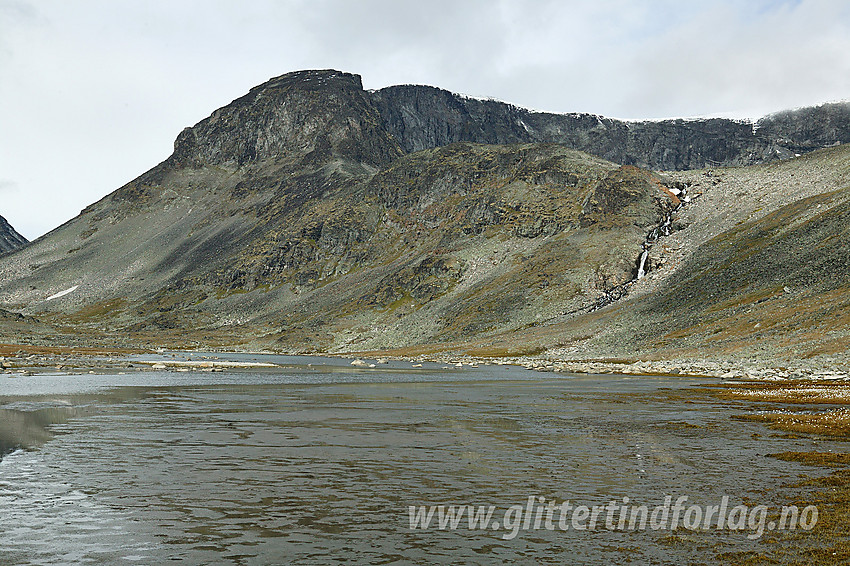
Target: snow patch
[[62, 293], [480, 98]]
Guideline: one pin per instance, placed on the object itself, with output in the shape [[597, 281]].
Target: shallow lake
[[318, 462]]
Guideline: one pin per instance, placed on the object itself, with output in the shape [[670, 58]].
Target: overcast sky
[[93, 93]]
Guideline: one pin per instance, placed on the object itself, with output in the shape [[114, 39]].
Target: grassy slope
[[440, 246], [773, 288]]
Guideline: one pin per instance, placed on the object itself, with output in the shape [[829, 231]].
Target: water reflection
[[27, 429]]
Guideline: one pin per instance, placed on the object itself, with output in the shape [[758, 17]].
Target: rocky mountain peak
[[325, 114], [9, 237], [312, 79], [322, 113]]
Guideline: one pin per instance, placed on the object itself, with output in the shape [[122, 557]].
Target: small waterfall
[[641, 271], [664, 229]]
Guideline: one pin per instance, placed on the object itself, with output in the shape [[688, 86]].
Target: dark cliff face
[[808, 129], [324, 113], [321, 115], [423, 117], [9, 239]]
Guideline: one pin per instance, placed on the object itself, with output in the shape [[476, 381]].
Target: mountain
[[423, 117], [312, 215], [753, 273], [9, 239]]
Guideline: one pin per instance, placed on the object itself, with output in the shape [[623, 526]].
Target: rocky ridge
[[422, 117], [10, 239]]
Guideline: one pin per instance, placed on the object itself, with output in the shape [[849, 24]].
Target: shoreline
[[24, 359]]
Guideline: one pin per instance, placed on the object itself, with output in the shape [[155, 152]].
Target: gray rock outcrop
[[9, 238]]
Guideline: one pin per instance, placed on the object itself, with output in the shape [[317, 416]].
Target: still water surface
[[318, 464]]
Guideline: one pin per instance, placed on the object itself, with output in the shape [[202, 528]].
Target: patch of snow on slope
[[62, 293]]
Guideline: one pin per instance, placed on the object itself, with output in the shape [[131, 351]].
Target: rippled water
[[318, 465]]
